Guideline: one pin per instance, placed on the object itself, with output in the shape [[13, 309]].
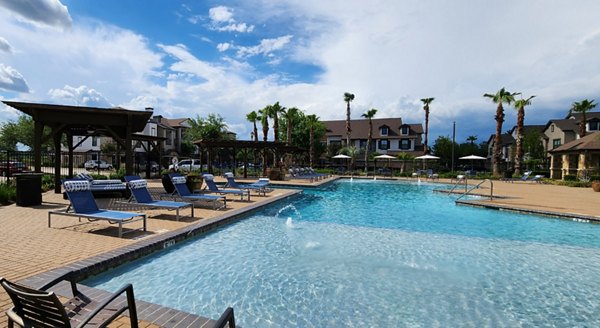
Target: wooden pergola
[[118, 123], [245, 145]]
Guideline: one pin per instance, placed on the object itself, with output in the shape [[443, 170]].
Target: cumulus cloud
[[5, 46], [266, 46], [40, 12], [79, 96], [12, 80], [222, 20]]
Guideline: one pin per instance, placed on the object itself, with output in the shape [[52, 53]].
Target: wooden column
[[56, 136]]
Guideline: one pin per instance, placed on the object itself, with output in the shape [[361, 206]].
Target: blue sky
[[188, 58]]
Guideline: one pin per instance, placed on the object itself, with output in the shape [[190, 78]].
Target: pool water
[[379, 254]]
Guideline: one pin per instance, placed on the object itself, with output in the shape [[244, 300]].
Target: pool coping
[[148, 312], [552, 214]]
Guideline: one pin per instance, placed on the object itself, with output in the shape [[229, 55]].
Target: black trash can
[[29, 189]]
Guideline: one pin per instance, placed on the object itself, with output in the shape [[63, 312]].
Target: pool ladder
[[467, 191]]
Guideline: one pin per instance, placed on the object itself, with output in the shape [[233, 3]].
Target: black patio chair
[[41, 308]]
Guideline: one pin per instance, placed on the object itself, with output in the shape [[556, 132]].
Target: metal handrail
[[477, 186], [456, 184], [227, 318]]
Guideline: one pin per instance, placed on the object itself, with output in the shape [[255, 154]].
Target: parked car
[[95, 164], [154, 167], [13, 167], [186, 165]]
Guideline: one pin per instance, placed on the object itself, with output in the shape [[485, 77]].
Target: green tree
[[253, 117], [22, 131], [471, 140], [312, 121], [348, 98], [289, 116], [369, 115], [443, 149], [350, 151], [274, 112], [583, 107], [404, 157], [264, 115], [500, 97], [520, 107], [426, 102]]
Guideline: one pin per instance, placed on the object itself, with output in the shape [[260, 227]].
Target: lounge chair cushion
[[138, 184], [178, 180], [78, 185]]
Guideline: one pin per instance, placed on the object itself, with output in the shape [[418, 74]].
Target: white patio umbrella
[[472, 158], [426, 157], [384, 156], [342, 156]]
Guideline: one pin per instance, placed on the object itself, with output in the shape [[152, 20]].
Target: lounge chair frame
[[94, 214], [182, 192], [137, 183], [41, 308]]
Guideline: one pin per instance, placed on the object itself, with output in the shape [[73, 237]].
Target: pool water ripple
[[331, 268]]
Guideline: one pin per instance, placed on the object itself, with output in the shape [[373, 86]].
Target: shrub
[[8, 193], [119, 175], [47, 182], [570, 177], [595, 177]]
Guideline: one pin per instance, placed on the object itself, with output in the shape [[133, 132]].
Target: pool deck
[[31, 252]]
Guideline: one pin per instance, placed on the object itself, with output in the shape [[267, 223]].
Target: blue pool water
[[379, 254]]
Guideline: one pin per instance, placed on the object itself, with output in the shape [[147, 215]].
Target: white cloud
[[5, 46], [79, 96], [40, 12], [266, 46], [222, 20], [12, 80], [221, 14], [223, 46]]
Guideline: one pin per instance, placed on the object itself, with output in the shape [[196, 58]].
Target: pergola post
[[37, 145]]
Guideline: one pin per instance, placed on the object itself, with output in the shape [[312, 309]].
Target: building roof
[[564, 124], [507, 139], [176, 122], [591, 141], [588, 115], [360, 128]]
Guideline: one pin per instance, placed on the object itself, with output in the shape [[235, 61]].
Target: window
[[405, 144], [405, 130], [594, 125], [363, 144], [384, 144], [552, 128], [153, 132], [94, 141], [169, 137], [555, 143], [384, 130]]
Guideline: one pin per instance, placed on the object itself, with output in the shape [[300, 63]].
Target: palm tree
[[471, 140], [348, 97], [583, 107], [289, 115], [403, 157], [369, 115], [253, 117], [426, 102], [276, 109], [520, 107], [500, 97], [311, 121], [264, 120]]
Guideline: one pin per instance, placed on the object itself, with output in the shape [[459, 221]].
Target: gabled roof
[[176, 122], [578, 116], [564, 124], [360, 128], [591, 141], [507, 139], [529, 128]]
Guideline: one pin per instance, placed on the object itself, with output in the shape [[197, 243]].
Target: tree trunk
[[426, 148], [348, 129], [498, 141], [519, 151]]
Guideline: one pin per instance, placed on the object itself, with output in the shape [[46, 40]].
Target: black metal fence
[[13, 162]]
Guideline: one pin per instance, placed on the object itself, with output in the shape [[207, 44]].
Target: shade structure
[[472, 157], [427, 157], [341, 156], [386, 156]]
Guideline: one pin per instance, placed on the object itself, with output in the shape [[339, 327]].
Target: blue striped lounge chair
[[260, 186], [182, 191], [140, 196], [83, 205], [209, 179]]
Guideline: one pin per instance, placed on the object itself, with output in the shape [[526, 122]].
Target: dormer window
[[404, 130], [384, 130]]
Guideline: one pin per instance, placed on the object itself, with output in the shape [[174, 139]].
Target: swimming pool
[[375, 254]]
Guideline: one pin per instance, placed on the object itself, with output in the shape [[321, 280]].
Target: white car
[[186, 165], [95, 164]]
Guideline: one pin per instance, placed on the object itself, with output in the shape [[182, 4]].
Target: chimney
[[150, 109]]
